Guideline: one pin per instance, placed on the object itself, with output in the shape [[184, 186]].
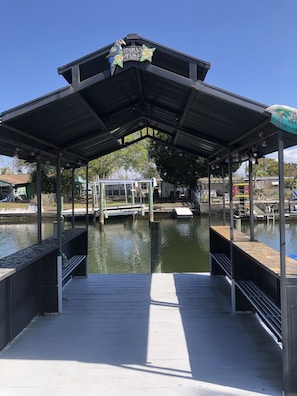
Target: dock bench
[[257, 279], [224, 262], [253, 272], [75, 266], [267, 310], [72, 267], [258, 287]]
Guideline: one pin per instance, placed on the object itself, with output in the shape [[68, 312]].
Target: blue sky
[[250, 44]]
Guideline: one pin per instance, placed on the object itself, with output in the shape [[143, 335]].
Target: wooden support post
[[101, 209], [151, 203], [156, 257]]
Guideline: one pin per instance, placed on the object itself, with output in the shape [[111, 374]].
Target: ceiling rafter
[[92, 111], [32, 152], [140, 85], [94, 136], [135, 109], [187, 107], [38, 141], [27, 135], [132, 125], [175, 128], [232, 144], [171, 144]]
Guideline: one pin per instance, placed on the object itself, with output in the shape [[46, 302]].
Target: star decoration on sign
[[147, 53], [118, 60]]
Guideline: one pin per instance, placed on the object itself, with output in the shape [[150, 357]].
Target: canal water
[[124, 245], [268, 233]]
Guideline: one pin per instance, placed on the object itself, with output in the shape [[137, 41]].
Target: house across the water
[[14, 187]]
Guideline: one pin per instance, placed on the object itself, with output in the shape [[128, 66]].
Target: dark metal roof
[[94, 114]]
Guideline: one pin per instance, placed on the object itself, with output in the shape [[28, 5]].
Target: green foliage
[[102, 167], [5, 171], [265, 167], [290, 170], [290, 183], [177, 167], [150, 171], [66, 184], [49, 181], [133, 158], [269, 167], [181, 168]]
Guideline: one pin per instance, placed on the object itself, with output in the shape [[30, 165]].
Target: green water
[[124, 246], [185, 245]]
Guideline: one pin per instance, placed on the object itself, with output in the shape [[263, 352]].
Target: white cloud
[[290, 155]]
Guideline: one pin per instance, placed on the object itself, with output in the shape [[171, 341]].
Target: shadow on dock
[[143, 334]]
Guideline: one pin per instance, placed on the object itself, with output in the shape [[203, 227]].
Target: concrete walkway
[[161, 334]]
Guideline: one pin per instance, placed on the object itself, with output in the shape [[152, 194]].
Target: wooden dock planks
[[169, 334]]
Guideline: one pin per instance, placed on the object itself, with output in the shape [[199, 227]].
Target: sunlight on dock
[[169, 334]]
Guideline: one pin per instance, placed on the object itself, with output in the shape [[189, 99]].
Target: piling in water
[[156, 259]]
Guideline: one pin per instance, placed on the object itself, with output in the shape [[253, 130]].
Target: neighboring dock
[[183, 213], [132, 335], [110, 211]]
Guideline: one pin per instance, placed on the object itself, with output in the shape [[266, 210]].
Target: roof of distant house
[[18, 179]]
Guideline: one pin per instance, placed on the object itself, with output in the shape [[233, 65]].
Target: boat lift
[[135, 193]]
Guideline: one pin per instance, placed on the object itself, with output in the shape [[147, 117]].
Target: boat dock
[[143, 334], [183, 213], [109, 211]]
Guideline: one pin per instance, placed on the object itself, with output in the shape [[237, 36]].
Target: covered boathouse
[[136, 85]]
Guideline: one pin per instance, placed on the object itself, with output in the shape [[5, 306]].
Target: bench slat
[[72, 263], [224, 262], [266, 308]]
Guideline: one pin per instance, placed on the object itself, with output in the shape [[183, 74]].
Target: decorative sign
[[118, 55], [284, 117]]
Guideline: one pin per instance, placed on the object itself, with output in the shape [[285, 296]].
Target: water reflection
[[122, 247], [185, 245], [14, 237]]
